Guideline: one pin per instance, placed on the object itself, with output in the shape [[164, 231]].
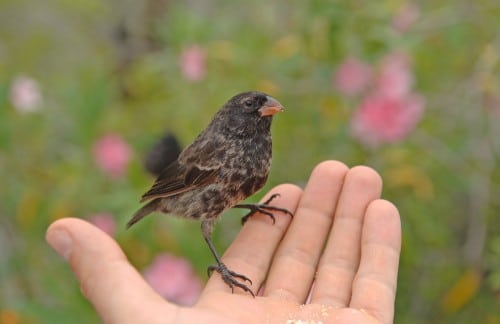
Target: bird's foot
[[230, 277], [263, 208]]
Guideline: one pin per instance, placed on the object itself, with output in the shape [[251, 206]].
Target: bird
[[165, 151], [227, 162]]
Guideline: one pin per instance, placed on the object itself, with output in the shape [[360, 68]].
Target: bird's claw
[[263, 208], [228, 276]]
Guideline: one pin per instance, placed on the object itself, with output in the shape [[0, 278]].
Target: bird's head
[[249, 112], [254, 103]]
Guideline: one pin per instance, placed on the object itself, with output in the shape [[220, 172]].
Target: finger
[[374, 288], [294, 266], [107, 279], [340, 259], [252, 250]]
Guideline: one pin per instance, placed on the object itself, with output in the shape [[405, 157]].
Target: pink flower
[[25, 94], [395, 77], [405, 17], [352, 76], [381, 119], [112, 154], [192, 63], [174, 279], [105, 221]]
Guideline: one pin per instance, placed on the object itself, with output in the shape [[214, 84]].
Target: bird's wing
[[199, 164], [177, 178]]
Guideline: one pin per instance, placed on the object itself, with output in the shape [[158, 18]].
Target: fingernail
[[60, 241]]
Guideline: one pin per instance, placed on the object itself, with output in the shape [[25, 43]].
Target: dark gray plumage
[[229, 161]]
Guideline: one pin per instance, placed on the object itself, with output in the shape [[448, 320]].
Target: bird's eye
[[248, 103]]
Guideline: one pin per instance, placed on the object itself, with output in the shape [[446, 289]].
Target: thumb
[[115, 288]]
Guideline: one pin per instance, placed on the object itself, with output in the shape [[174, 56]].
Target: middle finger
[[294, 265]]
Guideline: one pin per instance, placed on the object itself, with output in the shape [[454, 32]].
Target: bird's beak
[[271, 107]]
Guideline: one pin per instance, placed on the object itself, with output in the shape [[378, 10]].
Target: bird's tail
[[143, 212]]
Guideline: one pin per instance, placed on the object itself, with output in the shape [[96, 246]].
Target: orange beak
[[271, 107]]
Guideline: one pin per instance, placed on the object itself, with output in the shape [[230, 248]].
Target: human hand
[[341, 249]]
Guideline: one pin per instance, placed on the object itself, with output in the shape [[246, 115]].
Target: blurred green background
[[95, 68]]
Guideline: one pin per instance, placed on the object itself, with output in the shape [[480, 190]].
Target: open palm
[[335, 261]]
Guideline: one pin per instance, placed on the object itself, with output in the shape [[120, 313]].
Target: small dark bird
[[164, 152], [226, 163]]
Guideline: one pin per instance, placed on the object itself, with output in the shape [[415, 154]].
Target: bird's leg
[[263, 208], [228, 276]]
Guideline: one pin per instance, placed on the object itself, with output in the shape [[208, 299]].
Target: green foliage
[[113, 67]]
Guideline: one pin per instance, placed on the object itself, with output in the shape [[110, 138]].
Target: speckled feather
[[229, 161]]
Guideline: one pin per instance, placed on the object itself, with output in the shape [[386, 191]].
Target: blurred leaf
[[9, 316], [28, 209], [412, 177], [462, 291], [287, 46]]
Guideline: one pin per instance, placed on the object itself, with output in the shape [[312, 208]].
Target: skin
[[354, 275]]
